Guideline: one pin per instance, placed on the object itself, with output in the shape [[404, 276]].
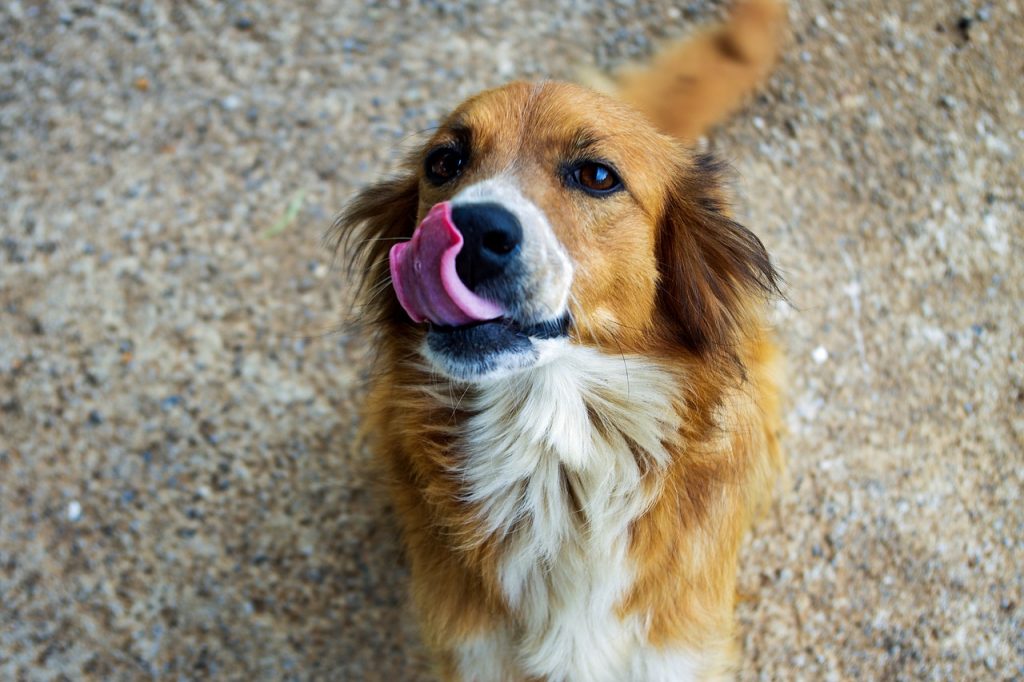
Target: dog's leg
[[484, 658]]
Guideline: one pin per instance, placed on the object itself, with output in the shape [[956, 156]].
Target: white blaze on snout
[[545, 263]]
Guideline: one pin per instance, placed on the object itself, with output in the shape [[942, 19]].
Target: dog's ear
[[712, 269], [379, 217]]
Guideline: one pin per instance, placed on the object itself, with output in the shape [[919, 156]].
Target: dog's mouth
[[504, 327], [470, 337], [491, 347]]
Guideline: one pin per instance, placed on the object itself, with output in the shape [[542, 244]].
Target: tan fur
[[693, 85], [662, 272]]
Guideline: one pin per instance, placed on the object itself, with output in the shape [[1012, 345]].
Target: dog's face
[[580, 223]]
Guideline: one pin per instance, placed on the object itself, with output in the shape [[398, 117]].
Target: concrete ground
[[182, 493]]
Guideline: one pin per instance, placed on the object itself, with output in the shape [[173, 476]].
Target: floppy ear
[[379, 217], [713, 270]]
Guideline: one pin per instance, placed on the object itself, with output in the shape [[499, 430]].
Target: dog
[[576, 396]]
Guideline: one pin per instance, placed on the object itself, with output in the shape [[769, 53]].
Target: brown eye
[[443, 165], [596, 178]]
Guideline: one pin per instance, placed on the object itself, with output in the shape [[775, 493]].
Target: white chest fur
[[555, 460]]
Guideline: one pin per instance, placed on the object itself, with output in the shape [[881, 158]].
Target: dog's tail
[[689, 87]]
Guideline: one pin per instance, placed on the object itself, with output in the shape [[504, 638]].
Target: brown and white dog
[[577, 393]]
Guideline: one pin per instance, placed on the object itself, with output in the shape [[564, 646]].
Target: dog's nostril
[[492, 235], [499, 242]]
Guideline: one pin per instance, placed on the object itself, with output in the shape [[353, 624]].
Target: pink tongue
[[423, 272]]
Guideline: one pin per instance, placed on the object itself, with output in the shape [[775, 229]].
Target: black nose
[[492, 236]]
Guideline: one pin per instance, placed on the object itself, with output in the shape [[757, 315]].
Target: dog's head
[[551, 214]]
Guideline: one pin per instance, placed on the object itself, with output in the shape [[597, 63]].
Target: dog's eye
[[443, 165], [596, 178]]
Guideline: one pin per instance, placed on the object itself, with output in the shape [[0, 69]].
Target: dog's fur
[[580, 518]]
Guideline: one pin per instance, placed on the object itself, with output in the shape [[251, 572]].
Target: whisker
[[370, 240], [459, 403], [414, 134], [330, 330]]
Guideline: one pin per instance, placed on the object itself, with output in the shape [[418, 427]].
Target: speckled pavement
[[183, 494]]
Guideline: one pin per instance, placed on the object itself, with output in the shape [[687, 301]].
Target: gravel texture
[[183, 493]]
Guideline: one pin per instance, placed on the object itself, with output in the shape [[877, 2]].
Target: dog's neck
[[555, 459]]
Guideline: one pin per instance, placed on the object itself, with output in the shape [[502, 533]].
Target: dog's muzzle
[[488, 276]]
